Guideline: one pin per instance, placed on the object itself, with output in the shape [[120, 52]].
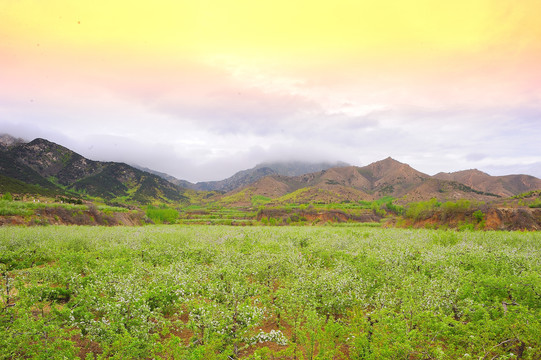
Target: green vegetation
[[529, 194], [478, 215], [531, 199], [70, 200], [463, 214], [30, 208], [14, 186], [162, 214], [119, 185], [217, 215], [293, 197], [258, 200], [200, 292], [10, 208], [103, 185], [422, 209], [27, 208], [273, 212]]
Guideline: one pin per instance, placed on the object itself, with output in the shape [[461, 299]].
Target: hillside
[[11, 168], [55, 162], [296, 168], [59, 169], [508, 185], [387, 177], [444, 190], [247, 177], [391, 177]]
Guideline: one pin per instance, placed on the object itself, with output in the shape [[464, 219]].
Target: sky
[[202, 89]]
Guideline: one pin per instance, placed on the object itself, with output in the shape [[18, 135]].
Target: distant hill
[[182, 183], [387, 177], [59, 169], [249, 176], [296, 168], [246, 177], [533, 169], [508, 185]]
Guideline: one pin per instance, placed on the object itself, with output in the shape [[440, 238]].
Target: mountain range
[[41, 166], [387, 177], [246, 177]]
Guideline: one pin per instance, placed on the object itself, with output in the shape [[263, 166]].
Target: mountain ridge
[[248, 176], [505, 185], [387, 177], [58, 169]]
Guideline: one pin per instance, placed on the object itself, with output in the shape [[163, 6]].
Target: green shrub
[[378, 209], [465, 226], [422, 209], [478, 216], [453, 208], [395, 209]]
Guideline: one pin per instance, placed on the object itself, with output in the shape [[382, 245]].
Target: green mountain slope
[[52, 166]]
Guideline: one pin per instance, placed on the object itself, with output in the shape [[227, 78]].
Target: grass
[[162, 214], [11, 208]]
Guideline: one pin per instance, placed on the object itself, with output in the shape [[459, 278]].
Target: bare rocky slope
[[508, 185]]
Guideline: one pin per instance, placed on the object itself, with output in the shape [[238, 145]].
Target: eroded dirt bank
[[61, 216], [494, 219]]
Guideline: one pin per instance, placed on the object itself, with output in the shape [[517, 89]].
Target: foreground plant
[[306, 293]]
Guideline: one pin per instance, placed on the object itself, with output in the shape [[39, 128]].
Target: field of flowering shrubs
[[201, 292]]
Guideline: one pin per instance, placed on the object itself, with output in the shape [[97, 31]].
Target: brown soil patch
[[179, 330], [495, 219], [86, 346]]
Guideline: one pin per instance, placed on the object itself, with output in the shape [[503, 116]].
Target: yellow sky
[[278, 27]]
